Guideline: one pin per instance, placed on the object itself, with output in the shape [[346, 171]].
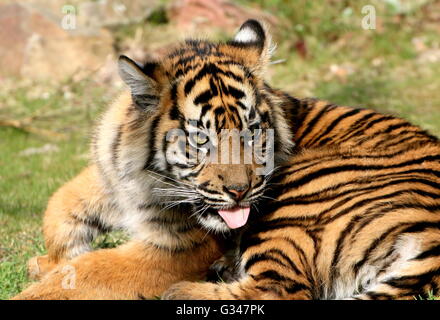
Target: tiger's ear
[[255, 43], [144, 88]]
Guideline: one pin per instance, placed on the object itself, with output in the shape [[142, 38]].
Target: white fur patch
[[246, 35], [214, 224], [406, 248]]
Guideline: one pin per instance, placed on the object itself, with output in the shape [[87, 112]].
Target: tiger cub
[[355, 213], [152, 173]]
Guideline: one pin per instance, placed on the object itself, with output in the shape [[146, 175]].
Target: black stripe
[[205, 109], [382, 208], [367, 253], [249, 241], [213, 192], [296, 287], [92, 220], [261, 257], [151, 143], [394, 127], [378, 295], [386, 133], [265, 117], [181, 70], [418, 227], [203, 97], [273, 275], [302, 199], [312, 123], [236, 93], [357, 205], [332, 125], [353, 167], [357, 125], [367, 125], [419, 138], [286, 258], [413, 281], [213, 87], [219, 111], [175, 113], [243, 107], [232, 75], [115, 146], [208, 69], [313, 161], [364, 202], [430, 253], [424, 225]]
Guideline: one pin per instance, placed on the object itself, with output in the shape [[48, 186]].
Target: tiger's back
[[361, 200], [356, 213]]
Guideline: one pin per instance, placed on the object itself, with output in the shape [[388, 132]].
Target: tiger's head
[[216, 131]]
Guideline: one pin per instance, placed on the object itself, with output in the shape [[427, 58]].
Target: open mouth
[[235, 217]]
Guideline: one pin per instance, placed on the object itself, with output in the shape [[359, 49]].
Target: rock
[[191, 15], [39, 48], [105, 13]]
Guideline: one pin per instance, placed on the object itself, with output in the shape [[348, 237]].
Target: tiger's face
[[215, 132]]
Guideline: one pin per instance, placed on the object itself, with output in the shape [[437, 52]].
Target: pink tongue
[[235, 217]]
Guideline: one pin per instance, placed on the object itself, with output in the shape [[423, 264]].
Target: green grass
[[381, 69], [429, 297], [27, 181]]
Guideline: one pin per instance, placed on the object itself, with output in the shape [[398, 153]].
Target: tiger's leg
[[72, 220], [268, 273], [414, 273], [225, 269], [134, 270]]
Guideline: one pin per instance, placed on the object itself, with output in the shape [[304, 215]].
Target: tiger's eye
[[201, 139]]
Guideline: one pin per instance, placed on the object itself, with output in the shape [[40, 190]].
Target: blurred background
[[58, 72]]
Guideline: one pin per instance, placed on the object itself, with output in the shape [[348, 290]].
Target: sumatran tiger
[[352, 210], [160, 185]]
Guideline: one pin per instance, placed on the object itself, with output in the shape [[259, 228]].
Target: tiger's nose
[[237, 191]]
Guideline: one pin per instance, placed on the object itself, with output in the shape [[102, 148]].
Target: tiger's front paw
[[187, 290], [39, 266], [223, 270]]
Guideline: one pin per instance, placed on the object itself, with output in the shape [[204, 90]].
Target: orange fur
[[129, 185], [356, 209], [131, 271], [355, 217]]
